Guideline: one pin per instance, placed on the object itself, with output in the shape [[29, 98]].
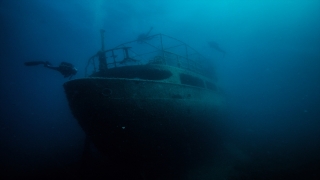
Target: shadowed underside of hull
[[145, 123]]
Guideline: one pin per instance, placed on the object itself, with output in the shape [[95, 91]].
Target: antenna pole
[[102, 55]]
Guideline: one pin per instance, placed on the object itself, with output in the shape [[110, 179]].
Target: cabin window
[[139, 72], [211, 86], [191, 80]]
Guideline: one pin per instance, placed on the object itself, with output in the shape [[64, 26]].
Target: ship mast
[[102, 55]]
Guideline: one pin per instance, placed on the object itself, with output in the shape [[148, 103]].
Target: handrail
[[172, 51]]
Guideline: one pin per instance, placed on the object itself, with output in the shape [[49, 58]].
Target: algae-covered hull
[[138, 119]]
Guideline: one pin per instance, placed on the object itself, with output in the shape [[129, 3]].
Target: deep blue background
[[270, 76]]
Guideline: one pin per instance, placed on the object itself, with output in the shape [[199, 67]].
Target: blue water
[[270, 77]]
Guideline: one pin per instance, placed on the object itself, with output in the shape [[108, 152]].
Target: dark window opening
[[132, 72], [191, 80]]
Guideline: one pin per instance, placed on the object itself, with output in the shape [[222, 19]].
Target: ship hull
[[143, 122]]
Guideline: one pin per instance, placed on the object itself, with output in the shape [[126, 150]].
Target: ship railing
[[155, 49]]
